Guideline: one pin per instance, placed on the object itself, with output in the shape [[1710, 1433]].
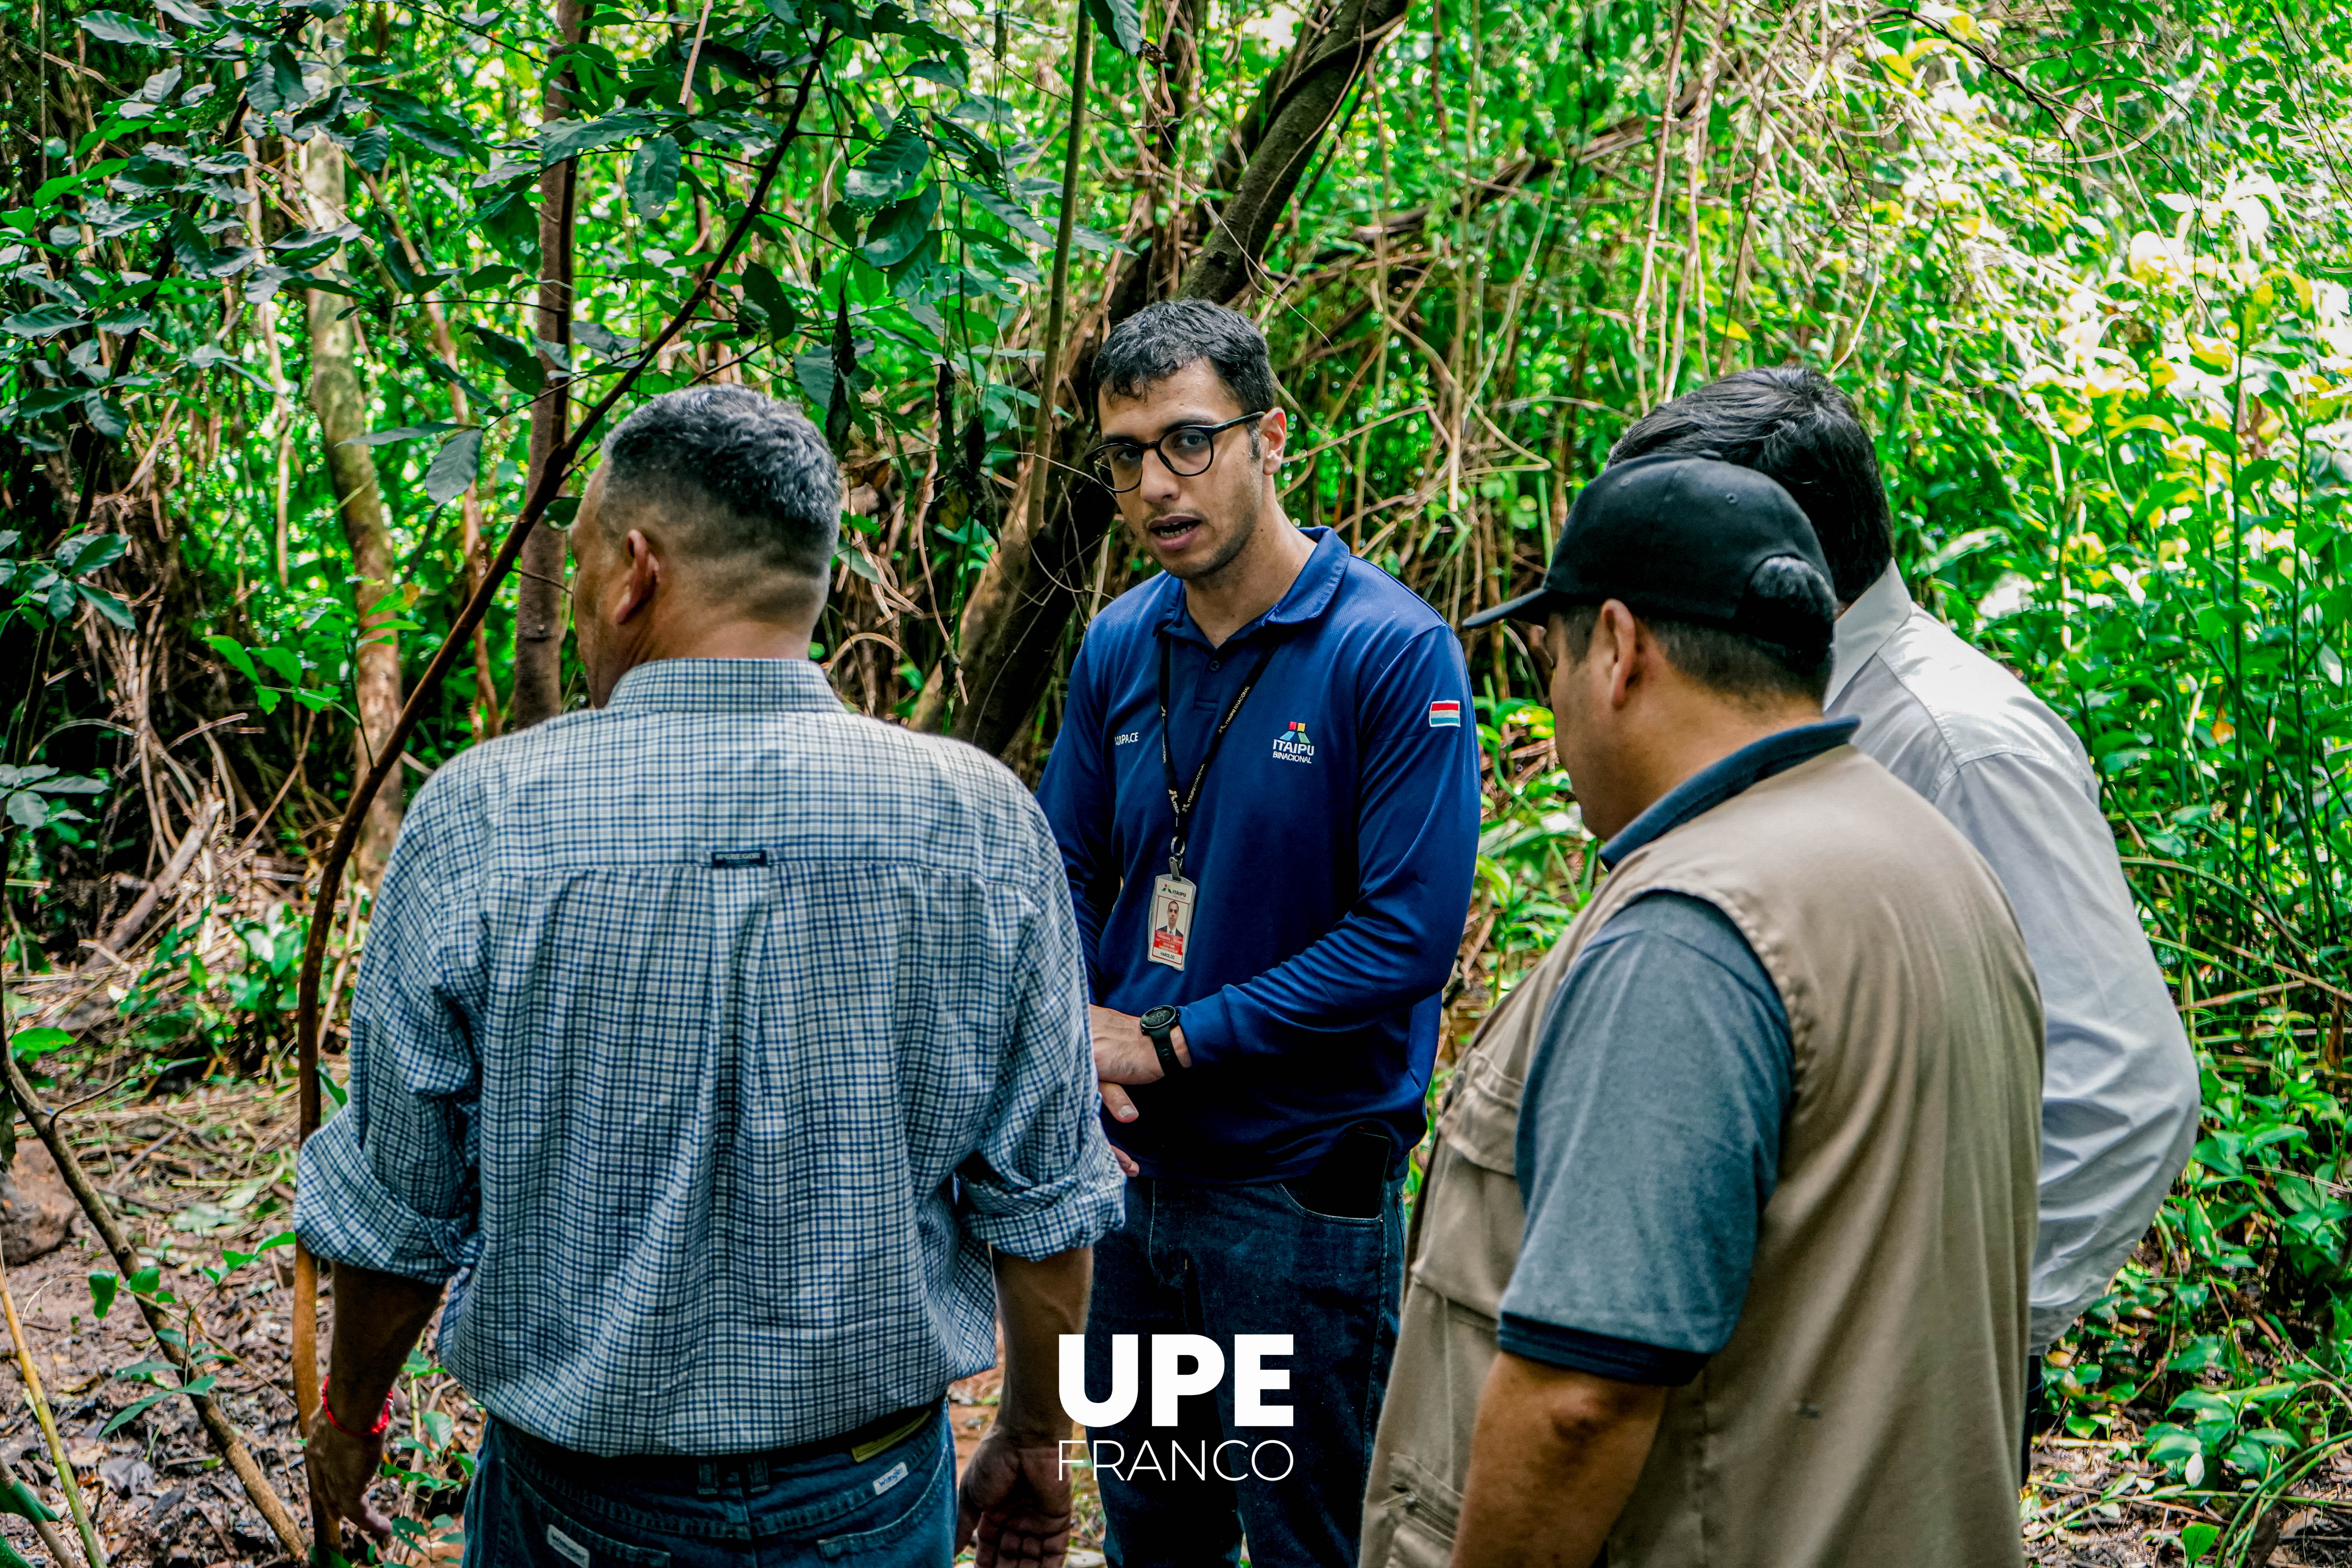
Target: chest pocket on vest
[[1471, 1227]]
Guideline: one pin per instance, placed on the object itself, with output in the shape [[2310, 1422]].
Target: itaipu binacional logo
[[1293, 746]]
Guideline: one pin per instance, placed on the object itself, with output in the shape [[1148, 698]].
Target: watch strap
[[1171, 1063]]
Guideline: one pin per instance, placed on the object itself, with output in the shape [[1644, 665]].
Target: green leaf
[[138, 1407], [562, 140], [889, 172], [2197, 1539], [947, 73], [1119, 21], [233, 651], [766, 290], [335, 1091], [116, 28], [274, 83], [106, 416], [652, 178], [86, 553], [1012, 215], [898, 229], [404, 433], [26, 1043], [101, 1293], [41, 321], [453, 466], [108, 605], [16, 1500], [517, 363]]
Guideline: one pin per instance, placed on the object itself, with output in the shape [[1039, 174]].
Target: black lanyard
[[1182, 803]]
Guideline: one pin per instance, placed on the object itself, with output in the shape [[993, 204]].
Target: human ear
[[1275, 426], [642, 579], [1623, 648]]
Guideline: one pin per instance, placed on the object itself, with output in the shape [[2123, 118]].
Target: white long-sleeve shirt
[[2119, 1089]]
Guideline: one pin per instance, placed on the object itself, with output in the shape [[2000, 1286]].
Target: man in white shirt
[[2120, 1093]]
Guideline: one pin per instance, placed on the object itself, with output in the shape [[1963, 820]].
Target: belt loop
[[758, 1479], [706, 1478]]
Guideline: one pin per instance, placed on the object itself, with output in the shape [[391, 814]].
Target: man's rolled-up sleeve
[[1043, 1180], [389, 1183]]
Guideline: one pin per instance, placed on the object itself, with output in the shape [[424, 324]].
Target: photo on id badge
[[1170, 930]]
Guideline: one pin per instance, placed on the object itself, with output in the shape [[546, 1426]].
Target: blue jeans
[[1222, 1261], [533, 1505]]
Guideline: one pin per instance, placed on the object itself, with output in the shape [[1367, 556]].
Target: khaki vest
[[1868, 1407]]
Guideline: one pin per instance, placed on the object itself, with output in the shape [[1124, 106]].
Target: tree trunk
[[538, 592], [1018, 609], [342, 406]]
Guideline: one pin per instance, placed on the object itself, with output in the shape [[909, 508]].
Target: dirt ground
[[208, 1173]]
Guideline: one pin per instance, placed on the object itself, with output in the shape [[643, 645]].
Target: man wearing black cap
[[1722, 1255]]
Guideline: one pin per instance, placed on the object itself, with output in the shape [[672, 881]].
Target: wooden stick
[[226, 1438], [1049, 368], [49, 1420]]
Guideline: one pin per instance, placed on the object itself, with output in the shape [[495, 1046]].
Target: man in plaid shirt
[[724, 1055]]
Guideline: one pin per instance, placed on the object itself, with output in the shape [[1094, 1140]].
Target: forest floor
[[204, 1173]]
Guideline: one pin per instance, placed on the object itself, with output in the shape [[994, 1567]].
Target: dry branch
[[226, 1438]]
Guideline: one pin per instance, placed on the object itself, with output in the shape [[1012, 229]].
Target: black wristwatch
[[1157, 1025]]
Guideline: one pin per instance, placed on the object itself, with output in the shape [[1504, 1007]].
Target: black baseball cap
[[1684, 538]]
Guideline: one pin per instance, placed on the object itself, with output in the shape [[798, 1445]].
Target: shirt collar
[[1309, 594], [1724, 777], [724, 685], [1864, 627]]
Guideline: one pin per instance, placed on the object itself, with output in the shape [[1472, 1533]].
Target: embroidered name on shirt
[[733, 860], [1445, 715], [1293, 746], [1130, 738]]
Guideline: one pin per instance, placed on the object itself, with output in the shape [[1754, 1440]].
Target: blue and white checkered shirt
[[708, 1041]]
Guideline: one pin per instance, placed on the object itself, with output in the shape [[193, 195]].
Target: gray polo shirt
[[1650, 1132]]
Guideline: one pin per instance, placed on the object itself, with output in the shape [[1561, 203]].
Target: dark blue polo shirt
[[1332, 846]]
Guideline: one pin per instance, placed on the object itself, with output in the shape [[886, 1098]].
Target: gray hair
[[740, 475], [1159, 339]]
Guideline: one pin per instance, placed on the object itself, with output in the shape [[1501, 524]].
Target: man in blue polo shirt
[[1266, 789]]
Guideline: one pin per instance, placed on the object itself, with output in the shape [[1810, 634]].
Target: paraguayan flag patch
[[1445, 715]]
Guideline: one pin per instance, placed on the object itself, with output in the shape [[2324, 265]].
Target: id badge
[[1170, 932]]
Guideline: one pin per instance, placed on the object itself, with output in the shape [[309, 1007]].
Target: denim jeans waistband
[[687, 1472]]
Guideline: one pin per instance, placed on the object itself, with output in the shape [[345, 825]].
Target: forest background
[[313, 310]]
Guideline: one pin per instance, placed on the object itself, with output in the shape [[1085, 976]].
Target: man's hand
[[342, 1469], [377, 1319], [1014, 1505], [1123, 1054]]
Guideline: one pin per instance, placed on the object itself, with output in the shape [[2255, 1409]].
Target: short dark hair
[[1159, 339], [1746, 669], [1794, 425], [743, 476]]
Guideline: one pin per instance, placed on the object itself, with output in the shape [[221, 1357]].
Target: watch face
[[1161, 1017]]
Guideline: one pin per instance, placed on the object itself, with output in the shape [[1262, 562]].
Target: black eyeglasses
[[1188, 450]]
